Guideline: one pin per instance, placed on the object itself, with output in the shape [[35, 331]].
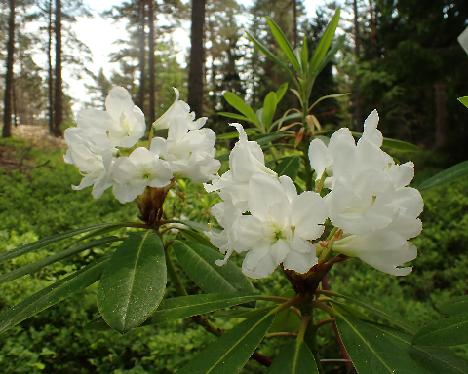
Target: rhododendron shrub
[[295, 199]]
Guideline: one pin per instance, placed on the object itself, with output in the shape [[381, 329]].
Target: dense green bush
[[38, 201]]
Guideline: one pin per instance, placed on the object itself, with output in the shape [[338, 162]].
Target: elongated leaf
[[283, 43], [133, 282], [238, 117], [439, 360], [455, 306], [238, 103], [463, 100], [325, 97], [53, 239], [288, 166], [444, 332], [198, 262], [188, 306], [31, 268], [294, 358], [241, 312], [51, 295], [287, 118], [304, 54], [235, 134], [377, 349], [269, 108], [324, 44], [272, 136], [280, 92], [232, 350], [262, 48], [446, 176]]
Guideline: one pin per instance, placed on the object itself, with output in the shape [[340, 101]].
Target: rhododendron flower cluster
[[365, 195], [96, 144]]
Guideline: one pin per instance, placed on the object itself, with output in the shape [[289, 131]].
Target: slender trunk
[[195, 81], [151, 62], [6, 132], [357, 99], [254, 59], [213, 87], [50, 71], [58, 68], [141, 55], [441, 114], [294, 6], [373, 27], [15, 103]]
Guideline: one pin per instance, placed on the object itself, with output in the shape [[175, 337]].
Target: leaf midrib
[[133, 276]]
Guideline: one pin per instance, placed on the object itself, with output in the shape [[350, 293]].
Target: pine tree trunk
[[50, 71], [141, 55], [440, 94], [58, 68], [357, 99], [151, 62], [294, 5], [6, 132], [196, 76]]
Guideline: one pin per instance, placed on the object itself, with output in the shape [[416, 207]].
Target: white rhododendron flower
[[188, 148], [245, 160], [280, 227], [93, 147], [369, 199], [134, 173]]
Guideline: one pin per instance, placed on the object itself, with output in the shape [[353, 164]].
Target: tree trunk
[[357, 99], [58, 68], [50, 71], [141, 54], [440, 94], [151, 62], [294, 5], [195, 80], [9, 71]]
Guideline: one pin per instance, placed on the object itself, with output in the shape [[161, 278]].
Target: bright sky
[[99, 34]]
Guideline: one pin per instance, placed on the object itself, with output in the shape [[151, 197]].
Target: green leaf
[[446, 176], [269, 108], [444, 332], [53, 239], [234, 134], [281, 91], [287, 118], [324, 45], [378, 349], [463, 100], [238, 103], [325, 97], [294, 358], [272, 136], [188, 306], [235, 116], [133, 282], [51, 295], [232, 350], [198, 262], [262, 48], [31, 268], [289, 166], [283, 43], [439, 360], [455, 306]]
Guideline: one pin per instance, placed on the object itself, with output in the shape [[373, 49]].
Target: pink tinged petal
[[405, 226], [127, 192], [308, 213], [401, 175], [409, 201], [162, 174], [248, 233], [258, 263], [319, 157]]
